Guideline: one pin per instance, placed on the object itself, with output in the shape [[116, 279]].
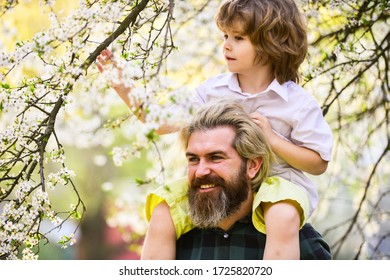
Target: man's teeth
[[207, 186]]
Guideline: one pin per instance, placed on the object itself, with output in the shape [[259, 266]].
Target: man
[[228, 159]]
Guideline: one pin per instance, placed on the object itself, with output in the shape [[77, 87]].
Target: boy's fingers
[[104, 60], [106, 52]]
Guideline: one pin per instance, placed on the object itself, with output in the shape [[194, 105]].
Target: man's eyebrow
[[189, 154], [218, 152]]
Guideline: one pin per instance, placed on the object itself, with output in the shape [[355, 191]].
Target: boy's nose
[[227, 45]]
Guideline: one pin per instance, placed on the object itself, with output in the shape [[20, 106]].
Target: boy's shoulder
[[297, 91], [294, 87]]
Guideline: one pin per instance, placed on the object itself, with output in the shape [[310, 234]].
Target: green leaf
[[152, 135], [77, 215], [139, 181]]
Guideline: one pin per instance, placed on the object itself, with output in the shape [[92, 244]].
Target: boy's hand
[[106, 61], [105, 58], [263, 123]]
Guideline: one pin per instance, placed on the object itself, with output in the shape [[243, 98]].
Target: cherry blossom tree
[[348, 66], [164, 48]]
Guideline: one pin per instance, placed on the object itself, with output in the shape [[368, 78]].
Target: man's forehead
[[212, 140]]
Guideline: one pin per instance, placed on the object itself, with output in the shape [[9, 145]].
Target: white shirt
[[293, 113]]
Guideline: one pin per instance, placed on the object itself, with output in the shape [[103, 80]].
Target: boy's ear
[[253, 167]]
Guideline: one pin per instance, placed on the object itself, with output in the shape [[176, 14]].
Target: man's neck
[[245, 209]]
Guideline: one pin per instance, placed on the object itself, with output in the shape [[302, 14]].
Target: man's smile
[[207, 186]]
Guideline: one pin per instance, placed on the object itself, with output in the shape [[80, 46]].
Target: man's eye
[[192, 159], [216, 158]]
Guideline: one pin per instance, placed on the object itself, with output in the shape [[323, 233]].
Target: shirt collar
[[245, 220], [230, 80], [279, 89]]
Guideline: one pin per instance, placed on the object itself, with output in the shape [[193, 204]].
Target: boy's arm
[[160, 240], [282, 220], [105, 58], [298, 157]]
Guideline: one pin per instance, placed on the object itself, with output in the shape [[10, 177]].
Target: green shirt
[[243, 242]]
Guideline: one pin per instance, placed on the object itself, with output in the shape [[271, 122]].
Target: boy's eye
[[238, 38]]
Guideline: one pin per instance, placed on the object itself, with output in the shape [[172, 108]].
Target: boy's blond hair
[[276, 28]]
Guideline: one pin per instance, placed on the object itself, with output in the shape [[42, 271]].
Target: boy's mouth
[[229, 58]]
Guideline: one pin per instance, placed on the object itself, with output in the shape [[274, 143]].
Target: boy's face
[[239, 52]]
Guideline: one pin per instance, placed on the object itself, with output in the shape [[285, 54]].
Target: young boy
[[265, 43]]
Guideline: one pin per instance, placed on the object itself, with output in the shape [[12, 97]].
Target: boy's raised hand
[[105, 58], [106, 61]]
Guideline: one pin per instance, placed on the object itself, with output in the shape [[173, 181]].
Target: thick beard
[[207, 210]]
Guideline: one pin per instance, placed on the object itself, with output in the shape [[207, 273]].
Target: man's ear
[[253, 167]]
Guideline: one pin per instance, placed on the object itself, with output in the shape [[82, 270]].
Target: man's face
[[217, 175]]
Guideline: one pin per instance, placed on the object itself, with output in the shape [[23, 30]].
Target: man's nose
[[202, 169]]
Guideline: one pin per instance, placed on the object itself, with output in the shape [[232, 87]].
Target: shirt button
[[225, 235]]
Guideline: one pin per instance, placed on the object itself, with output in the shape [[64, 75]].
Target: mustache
[[207, 180]]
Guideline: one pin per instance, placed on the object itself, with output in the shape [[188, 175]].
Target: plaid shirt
[[243, 242]]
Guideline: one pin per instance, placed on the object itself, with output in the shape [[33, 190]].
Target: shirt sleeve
[[198, 97], [310, 130]]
